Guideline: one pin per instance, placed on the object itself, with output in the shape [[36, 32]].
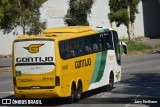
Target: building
[[53, 12], [151, 18]]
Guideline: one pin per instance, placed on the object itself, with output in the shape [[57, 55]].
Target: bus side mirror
[[125, 49]]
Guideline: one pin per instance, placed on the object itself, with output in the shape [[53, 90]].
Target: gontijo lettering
[[34, 59], [83, 63]]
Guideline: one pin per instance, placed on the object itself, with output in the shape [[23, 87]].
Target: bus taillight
[[57, 81], [14, 81]]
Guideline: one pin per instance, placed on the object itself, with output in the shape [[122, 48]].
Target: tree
[[3, 4], [78, 12], [23, 13], [123, 12]]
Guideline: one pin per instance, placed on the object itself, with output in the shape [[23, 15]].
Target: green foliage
[[138, 47], [23, 13], [120, 17], [78, 12], [118, 11], [3, 4]]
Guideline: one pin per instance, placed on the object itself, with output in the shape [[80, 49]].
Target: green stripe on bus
[[96, 67], [99, 66], [100, 63], [102, 66]]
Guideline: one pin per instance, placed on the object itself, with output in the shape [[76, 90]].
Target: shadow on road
[[143, 83], [144, 86]]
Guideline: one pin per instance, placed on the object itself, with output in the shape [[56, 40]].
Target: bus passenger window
[[72, 54], [108, 38], [88, 45], [100, 46], [108, 45], [64, 49], [71, 48], [95, 47], [87, 49], [95, 43]]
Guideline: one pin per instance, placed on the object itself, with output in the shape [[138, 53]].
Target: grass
[[157, 46], [135, 46]]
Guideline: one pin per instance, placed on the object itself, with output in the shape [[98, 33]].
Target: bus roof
[[68, 29], [62, 33], [68, 32]]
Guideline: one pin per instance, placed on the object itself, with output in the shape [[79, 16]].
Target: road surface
[[140, 79], [5, 62]]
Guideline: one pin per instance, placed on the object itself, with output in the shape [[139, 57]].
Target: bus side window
[[79, 47], [64, 49], [103, 42], [108, 38], [85, 45], [87, 48], [89, 43], [95, 43], [71, 48], [116, 47]]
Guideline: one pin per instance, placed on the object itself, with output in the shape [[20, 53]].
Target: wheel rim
[[78, 94], [111, 82], [72, 95]]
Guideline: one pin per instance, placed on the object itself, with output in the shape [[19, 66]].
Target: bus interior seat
[[100, 46], [108, 45], [95, 47], [72, 54], [86, 49]]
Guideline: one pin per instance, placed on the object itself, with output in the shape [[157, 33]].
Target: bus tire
[[71, 98], [109, 87], [78, 93]]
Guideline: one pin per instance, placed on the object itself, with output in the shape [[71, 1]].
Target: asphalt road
[[5, 62], [140, 80]]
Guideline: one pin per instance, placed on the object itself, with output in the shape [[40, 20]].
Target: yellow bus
[[66, 61]]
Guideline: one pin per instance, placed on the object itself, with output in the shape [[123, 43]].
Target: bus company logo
[[33, 48]]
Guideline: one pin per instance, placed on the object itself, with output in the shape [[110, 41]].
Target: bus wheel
[[78, 93], [109, 87], [72, 95]]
